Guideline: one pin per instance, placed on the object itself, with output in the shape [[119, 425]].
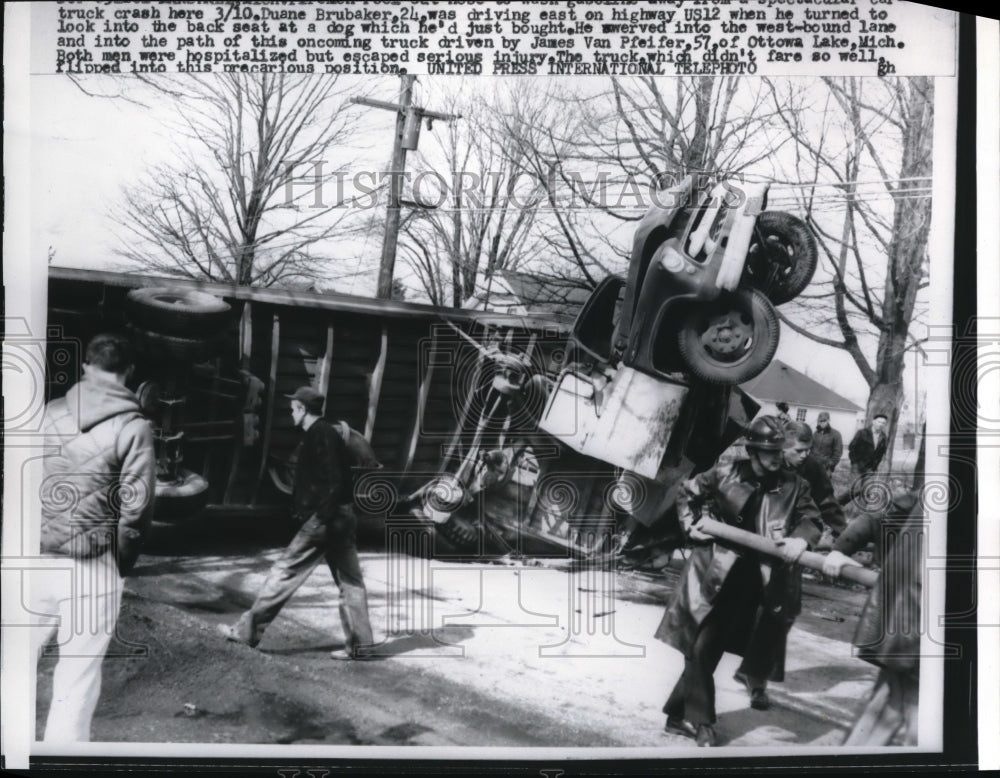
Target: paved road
[[473, 655]]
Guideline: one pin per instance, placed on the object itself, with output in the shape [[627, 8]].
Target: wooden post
[[396, 167], [425, 386], [408, 118], [272, 380], [375, 384], [324, 369], [246, 349]]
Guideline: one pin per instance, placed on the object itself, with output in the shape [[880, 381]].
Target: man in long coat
[[889, 630], [797, 457], [714, 607]]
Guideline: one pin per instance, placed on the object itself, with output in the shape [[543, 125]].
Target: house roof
[[537, 294], [781, 382]]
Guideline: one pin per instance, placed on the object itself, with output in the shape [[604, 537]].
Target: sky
[[85, 149]]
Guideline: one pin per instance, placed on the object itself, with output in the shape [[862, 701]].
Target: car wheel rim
[[728, 336]]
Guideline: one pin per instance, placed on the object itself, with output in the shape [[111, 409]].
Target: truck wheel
[[181, 500], [186, 312], [160, 346], [781, 243], [730, 340]]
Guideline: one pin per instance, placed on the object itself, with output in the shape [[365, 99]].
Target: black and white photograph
[[519, 383]]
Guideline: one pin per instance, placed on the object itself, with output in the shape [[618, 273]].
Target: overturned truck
[[525, 435]]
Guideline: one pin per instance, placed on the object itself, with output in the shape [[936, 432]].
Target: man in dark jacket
[[828, 445], [714, 606], [865, 451], [889, 630], [797, 457], [322, 497], [96, 493]]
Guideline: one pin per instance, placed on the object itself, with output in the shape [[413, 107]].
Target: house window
[[800, 414]]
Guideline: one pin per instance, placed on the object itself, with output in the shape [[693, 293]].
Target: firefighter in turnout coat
[[721, 589]]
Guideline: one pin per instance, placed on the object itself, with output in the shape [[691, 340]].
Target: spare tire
[[169, 311], [180, 501], [158, 346], [782, 256]]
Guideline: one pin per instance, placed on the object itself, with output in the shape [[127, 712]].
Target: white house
[[518, 294], [805, 397]]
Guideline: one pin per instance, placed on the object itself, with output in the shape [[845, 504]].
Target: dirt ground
[[479, 679], [169, 677]]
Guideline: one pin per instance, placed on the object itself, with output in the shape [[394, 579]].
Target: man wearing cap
[[714, 606], [827, 445], [865, 452], [322, 496]]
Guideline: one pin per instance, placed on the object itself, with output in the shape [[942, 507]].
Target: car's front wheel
[[729, 340]]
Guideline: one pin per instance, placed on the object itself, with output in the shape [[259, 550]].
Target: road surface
[[525, 654]]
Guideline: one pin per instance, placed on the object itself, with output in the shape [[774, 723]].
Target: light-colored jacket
[[99, 481]]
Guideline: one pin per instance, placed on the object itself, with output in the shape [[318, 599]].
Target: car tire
[[159, 346], [729, 340], [777, 231], [185, 312], [180, 501]]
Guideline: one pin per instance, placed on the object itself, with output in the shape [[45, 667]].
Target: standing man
[[865, 452], [322, 497], [828, 445], [714, 606], [797, 458], [96, 495], [889, 630]]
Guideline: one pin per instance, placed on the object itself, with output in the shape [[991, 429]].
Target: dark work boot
[[706, 736], [758, 693]]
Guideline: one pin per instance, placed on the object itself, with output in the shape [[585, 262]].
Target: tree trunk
[[911, 225]]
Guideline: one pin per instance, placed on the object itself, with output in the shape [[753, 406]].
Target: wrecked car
[[589, 460]]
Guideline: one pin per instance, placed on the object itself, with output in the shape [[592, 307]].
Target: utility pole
[[408, 119]]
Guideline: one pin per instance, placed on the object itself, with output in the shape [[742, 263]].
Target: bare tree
[[247, 199], [872, 142], [480, 215], [601, 154]]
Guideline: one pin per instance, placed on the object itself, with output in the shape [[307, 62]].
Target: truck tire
[[730, 340], [783, 240], [185, 312]]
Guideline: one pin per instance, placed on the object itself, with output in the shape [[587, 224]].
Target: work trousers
[[315, 541], [77, 600], [693, 696], [763, 650]]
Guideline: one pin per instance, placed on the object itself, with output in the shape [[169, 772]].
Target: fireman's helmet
[[764, 434]]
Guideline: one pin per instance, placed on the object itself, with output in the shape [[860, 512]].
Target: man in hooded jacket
[[97, 492]]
